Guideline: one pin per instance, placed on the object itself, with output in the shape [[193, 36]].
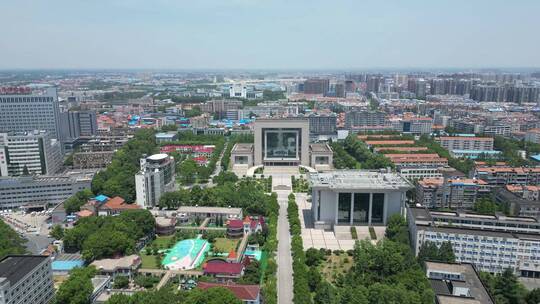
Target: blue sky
[[277, 34]]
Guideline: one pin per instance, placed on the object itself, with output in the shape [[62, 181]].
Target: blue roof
[[66, 265], [101, 198], [536, 157]]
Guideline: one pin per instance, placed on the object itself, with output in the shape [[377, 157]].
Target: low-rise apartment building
[[492, 243], [508, 175], [452, 193], [465, 143]]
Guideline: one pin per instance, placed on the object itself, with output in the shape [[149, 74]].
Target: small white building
[[356, 197]]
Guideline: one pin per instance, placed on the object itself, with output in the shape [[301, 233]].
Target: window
[[344, 208], [361, 208], [377, 211]]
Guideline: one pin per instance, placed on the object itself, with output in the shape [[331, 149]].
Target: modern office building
[[465, 143], [155, 178], [26, 279], [492, 243], [356, 197], [76, 124], [25, 111], [31, 153], [17, 192], [281, 142], [457, 283]]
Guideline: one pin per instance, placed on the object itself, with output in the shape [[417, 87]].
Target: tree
[[10, 241], [313, 257], [78, 288], [171, 127], [533, 297], [446, 253], [57, 232], [188, 171], [325, 294], [74, 203], [314, 279], [397, 229], [508, 287], [252, 274], [214, 295], [121, 282], [225, 177], [428, 251]]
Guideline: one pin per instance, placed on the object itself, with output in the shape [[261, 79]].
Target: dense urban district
[[270, 187]]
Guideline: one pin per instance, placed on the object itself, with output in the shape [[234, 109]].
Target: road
[[284, 259]]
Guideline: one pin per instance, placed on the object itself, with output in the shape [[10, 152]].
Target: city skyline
[[244, 34]]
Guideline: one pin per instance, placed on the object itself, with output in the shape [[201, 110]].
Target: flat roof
[[160, 156], [359, 179], [15, 267], [242, 148], [320, 148], [469, 279], [202, 209]]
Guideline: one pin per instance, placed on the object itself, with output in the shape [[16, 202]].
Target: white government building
[[356, 197]]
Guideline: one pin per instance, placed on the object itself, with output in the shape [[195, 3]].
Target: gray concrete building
[[322, 124], [35, 152], [28, 111], [356, 197], [26, 279], [281, 142], [17, 192]]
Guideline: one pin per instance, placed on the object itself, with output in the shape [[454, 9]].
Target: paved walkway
[[282, 181]]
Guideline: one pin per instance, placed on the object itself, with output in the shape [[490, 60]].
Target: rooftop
[[110, 265], [202, 209], [15, 267], [242, 292], [468, 279], [464, 138], [358, 180], [157, 157], [320, 148], [242, 148]]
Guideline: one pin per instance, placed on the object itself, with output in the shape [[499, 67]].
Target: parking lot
[[27, 223]]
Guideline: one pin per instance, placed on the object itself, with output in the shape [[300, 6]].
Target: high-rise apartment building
[[74, 124], [29, 153], [22, 111], [316, 86], [320, 124], [155, 178]]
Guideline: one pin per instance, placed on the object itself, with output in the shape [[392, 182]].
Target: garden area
[[300, 184]]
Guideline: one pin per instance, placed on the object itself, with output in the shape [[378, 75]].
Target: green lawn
[[162, 241], [148, 261], [226, 245]]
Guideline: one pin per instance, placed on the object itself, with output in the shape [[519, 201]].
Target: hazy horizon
[[269, 35]]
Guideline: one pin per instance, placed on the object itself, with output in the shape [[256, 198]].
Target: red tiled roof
[[236, 224], [118, 203], [85, 213], [242, 292], [221, 267]]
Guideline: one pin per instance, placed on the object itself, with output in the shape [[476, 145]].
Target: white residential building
[[155, 178]]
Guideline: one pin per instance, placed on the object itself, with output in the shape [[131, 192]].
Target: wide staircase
[[343, 232]]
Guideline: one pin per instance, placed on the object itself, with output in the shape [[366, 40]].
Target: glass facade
[[361, 208], [377, 208], [344, 208], [281, 144]]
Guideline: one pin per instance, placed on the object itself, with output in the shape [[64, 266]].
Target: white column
[[265, 135], [352, 209], [370, 208], [297, 139], [337, 203]]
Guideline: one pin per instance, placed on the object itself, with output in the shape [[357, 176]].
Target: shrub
[[372, 233], [353, 233]]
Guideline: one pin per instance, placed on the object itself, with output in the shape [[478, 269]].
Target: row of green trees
[[358, 150], [106, 236], [234, 139], [10, 241], [510, 148], [506, 289], [118, 179], [245, 194], [301, 292]]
